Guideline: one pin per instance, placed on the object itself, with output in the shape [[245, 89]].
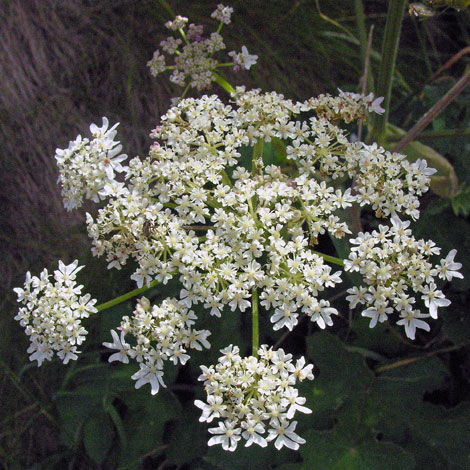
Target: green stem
[[124, 297], [396, 10], [257, 154], [185, 91], [223, 83], [167, 8], [254, 309], [330, 259], [361, 28], [226, 179]]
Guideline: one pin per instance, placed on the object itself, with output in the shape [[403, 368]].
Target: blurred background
[[65, 64]]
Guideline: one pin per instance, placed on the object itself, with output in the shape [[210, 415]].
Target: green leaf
[[397, 396], [188, 440], [249, 458], [461, 201], [447, 431], [340, 375], [145, 423], [426, 457], [333, 451], [74, 408], [274, 152], [457, 323], [98, 436]]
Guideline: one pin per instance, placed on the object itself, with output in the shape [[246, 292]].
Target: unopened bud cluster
[[194, 63], [254, 398]]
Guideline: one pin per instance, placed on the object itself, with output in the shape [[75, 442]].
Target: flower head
[[252, 395], [52, 313]]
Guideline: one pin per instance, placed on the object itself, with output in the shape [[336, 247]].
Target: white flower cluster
[[384, 180], [87, 167], [387, 181], [394, 265], [184, 183], [194, 64], [52, 313], [254, 395], [161, 332], [347, 106], [260, 225]]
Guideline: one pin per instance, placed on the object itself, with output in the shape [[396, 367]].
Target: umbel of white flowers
[[191, 210]]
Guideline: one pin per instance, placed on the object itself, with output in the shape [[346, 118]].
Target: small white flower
[[449, 268], [149, 373], [247, 60], [226, 434], [433, 299], [121, 346], [410, 319], [422, 166], [284, 434]]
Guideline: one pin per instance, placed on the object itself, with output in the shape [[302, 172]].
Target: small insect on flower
[[146, 229]]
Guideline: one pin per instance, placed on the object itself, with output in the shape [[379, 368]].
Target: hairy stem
[[442, 104], [435, 135]]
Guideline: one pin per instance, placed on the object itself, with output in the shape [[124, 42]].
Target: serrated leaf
[[74, 408], [461, 201], [187, 441], [444, 183], [98, 434], [339, 374], [145, 422], [447, 431], [249, 458], [397, 396], [333, 451]]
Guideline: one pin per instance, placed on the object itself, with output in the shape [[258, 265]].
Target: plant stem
[[167, 8], [257, 154], [436, 134], [255, 319], [331, 259], [223, 83], [410, 360], [361, 28], [442, 104], [396, 10], [124, 297], [333, 22]]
